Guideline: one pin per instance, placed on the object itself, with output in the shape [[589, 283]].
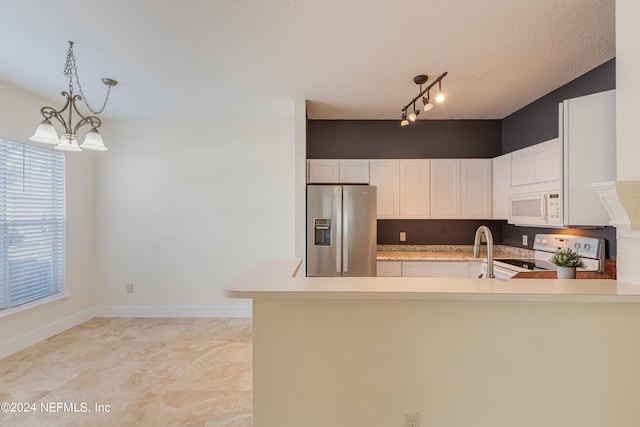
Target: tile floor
[[134, 371]]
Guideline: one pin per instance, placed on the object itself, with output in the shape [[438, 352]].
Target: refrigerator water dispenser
[[322, 232]]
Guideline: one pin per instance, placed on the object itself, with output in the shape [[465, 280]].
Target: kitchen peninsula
[[461, 352]]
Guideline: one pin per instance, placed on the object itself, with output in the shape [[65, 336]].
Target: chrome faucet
[[476, 248]]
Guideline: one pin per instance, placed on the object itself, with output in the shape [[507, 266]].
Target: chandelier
[[46, 132], [412, 116]]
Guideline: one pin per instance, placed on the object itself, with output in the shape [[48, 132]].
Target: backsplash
[[434, 231], [461, 232]]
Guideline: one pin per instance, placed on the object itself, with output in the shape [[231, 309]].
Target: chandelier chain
[[70, 70]]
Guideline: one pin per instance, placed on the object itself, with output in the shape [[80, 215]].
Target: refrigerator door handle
[[345, 232], [338, 196]]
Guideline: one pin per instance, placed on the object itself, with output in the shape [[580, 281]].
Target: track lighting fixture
[[46, 132], [420, 80]]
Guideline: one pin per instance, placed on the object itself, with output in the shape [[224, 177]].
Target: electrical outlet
[[525, 240], [129, 288], [412, 420], [403, 236]]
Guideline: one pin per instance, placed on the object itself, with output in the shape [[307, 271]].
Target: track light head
[[427, 104], [440, 96], [404, 120], [413, 116]]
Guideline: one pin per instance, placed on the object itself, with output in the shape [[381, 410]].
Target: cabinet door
[[445, 188], [589, 131], [523, 167], [475, 188], [549, 161], [389, 269], [537, 164], [354, 171], [434, 269], [475, 270], [501, 182], [385, 175], [414, 189], [321, 171]]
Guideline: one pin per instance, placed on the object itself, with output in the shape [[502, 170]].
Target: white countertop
[[276, 278]]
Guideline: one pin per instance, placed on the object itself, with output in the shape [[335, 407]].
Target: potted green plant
[[567, 261]]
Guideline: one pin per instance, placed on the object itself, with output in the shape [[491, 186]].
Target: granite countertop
[[446, 252]]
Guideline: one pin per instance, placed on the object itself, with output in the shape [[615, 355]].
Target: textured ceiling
[[350, 59]]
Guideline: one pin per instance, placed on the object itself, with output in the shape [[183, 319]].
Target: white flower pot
[[566, 272]]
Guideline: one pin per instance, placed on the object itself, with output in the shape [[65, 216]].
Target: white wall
[[19, 116], [186, 205], [628, 126]]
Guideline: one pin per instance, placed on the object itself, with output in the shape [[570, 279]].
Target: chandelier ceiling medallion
[[46, 132], [410, 116]]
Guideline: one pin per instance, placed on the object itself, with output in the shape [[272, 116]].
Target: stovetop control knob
[[537, 240], [587, 246], [577, 245], [544, 241]]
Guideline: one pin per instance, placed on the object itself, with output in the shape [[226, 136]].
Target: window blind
[[32, 223]]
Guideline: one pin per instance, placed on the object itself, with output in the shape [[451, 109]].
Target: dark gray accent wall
[[434, 231], [538, 121], [386, 139]]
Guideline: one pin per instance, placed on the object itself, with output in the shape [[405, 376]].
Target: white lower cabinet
[[434, 269], [474, 270], [428, 269], [389, 268]]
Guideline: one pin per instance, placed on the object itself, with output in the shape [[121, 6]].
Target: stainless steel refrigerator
[[341, 230]]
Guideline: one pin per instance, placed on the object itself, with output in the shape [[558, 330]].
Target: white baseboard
[[172, 311], [33, 337]]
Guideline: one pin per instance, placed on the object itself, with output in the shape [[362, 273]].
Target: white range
[[545, 245]]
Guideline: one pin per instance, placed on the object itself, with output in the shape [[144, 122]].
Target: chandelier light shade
[[46, 133], [410, 117]]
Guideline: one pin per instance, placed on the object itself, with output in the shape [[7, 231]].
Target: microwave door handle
[[543, 209]]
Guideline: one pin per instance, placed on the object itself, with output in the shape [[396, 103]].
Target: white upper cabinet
[[337, 171], [385, 175], [588, 130], [535, 165], [414, 189], [461, 188], [475, 188], [445, 188], [323, 171], [501, 183], [354, 171]]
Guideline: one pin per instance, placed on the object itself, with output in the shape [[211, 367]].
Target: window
[[32, 223]]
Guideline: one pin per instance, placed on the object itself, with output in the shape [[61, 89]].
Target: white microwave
[[537, 209]]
